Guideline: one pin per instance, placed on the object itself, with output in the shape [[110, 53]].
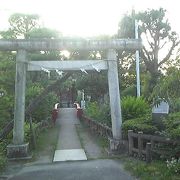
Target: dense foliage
[[99, 112], [172, 125], [45, 107], [139, 124], [133, 107]]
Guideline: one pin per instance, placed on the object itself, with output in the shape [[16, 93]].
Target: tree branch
[[163, 45], [151, 44], [169, 53], [147, 54]]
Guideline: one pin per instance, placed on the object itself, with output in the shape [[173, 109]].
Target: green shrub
[[92, 110], [133, 107], [175, 105], [129, 91], [3, 151], [100, 113], [27, 132], [3, 162], [45, 106], [139, 124], [6, 107], [105, 113], [172, 125], [175, 133]]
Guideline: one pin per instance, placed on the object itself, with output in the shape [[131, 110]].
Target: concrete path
[[68, 145], [104, 169]]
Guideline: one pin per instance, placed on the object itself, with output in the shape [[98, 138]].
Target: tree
[[43, 32], [157, 32], [22, 24], [52, 87], [157, 36], [94, 84]]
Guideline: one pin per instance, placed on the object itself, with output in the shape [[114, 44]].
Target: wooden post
[[33, 135], [130, 141], [140, 144], [152, 143], [148, 153]]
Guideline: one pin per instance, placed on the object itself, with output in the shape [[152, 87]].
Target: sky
[[85, 17]]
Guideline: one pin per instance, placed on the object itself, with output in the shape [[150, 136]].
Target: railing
[[41, 125], [144, 145], [98, 128], [9, 127], [94, 126], [6, 130], [79, 110]]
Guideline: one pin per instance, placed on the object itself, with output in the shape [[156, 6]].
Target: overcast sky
[[85, 17]]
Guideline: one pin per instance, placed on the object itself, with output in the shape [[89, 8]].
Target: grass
[[3, 162], [102, 142], [46, 143], [84, 133], [157, 170], [79, 131]]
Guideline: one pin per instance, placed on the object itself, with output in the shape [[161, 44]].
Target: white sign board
[[162, 108], [83, 104]]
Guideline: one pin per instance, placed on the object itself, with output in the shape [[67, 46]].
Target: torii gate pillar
[[19, 149], [116, 115], [114, 94]]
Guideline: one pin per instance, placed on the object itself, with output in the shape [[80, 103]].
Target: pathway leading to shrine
[[68, 145]]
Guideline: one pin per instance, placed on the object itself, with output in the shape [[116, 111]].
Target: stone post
[[114, 95], [140, 144], [148, 153], [130, 142], [19, 149]]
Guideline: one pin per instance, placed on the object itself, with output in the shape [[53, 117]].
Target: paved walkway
[[68, 145], [103, 169]]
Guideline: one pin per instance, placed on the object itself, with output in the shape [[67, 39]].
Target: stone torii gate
[[18, 148]]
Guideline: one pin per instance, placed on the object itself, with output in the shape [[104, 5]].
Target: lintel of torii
[[75, 65], [23, 47], [68, 44]]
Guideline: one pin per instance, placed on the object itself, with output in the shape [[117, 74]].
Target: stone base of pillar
[[117, 146], [18, 151]]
